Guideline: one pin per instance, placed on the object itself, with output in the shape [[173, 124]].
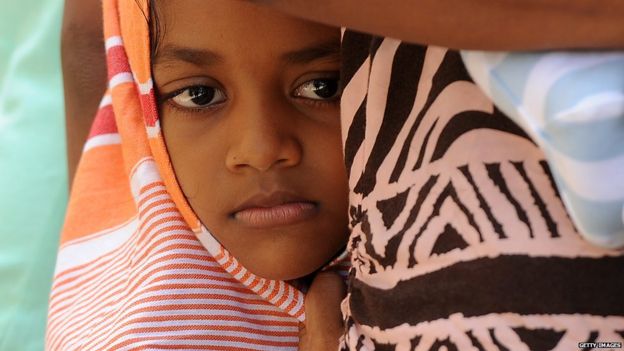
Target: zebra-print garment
[[459, 238]]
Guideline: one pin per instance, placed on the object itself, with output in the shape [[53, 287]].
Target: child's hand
[[323, 326]]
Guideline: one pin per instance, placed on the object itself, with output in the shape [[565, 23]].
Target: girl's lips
[[273, 216]]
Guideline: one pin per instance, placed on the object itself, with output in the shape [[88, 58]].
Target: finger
[[325, 294], [323, 326]]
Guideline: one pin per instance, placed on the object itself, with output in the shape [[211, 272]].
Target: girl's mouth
[[274, 209], [285, 214]]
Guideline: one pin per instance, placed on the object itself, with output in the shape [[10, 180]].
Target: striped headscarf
[[136, 269]]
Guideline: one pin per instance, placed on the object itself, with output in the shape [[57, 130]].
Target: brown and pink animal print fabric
[[459, 240]]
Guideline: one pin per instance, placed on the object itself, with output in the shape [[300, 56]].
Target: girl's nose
[[262, 140]]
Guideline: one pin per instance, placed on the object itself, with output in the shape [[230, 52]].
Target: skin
[[323, 327], [84, 72], [473, 24], [255, 129]]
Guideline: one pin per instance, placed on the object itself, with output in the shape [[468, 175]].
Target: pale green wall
[[33, 183]]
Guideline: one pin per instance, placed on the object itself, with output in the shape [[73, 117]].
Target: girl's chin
[[286, 270]]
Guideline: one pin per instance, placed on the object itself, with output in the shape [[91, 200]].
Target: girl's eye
[[319, 89], [198, 96]]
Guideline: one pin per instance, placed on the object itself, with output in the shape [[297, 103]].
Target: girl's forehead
[[237, 23], [234, 41]]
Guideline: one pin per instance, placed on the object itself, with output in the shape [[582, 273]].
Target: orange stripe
[[228, 263], [292, 304], [175, 218], [284, 296], [147, 188], [254, 282], [275, 291], [150, 228], [111, 21], [141, 204], [130, 123], [172, 217], [150, 186], [152, 203], [236, 270], [299, 313], [264, 288], [162, 231], [245, 277], [101, 196], [148, 214], [135, 32]]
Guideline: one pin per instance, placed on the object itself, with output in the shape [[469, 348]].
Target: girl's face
[[250, 114]]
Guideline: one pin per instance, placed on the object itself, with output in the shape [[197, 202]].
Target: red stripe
[[117, 61], [150, 108], [104, 122]]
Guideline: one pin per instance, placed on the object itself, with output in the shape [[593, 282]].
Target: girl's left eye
[[319, 89], [198, 96]]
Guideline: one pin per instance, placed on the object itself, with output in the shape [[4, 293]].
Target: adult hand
[[323, 326], [473, 24], [84, 72]]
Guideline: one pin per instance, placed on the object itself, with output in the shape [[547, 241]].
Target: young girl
[[212, 175]]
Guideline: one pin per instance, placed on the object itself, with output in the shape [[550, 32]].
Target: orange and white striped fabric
[[136, 270]]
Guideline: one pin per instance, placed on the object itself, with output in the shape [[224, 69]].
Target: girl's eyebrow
[[202, 57], [328, 50], [174, 53]]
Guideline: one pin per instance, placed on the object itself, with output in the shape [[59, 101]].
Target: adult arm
[[474, 24], [84, 72]]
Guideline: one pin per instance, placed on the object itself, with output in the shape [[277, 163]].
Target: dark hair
[[155, 26]]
